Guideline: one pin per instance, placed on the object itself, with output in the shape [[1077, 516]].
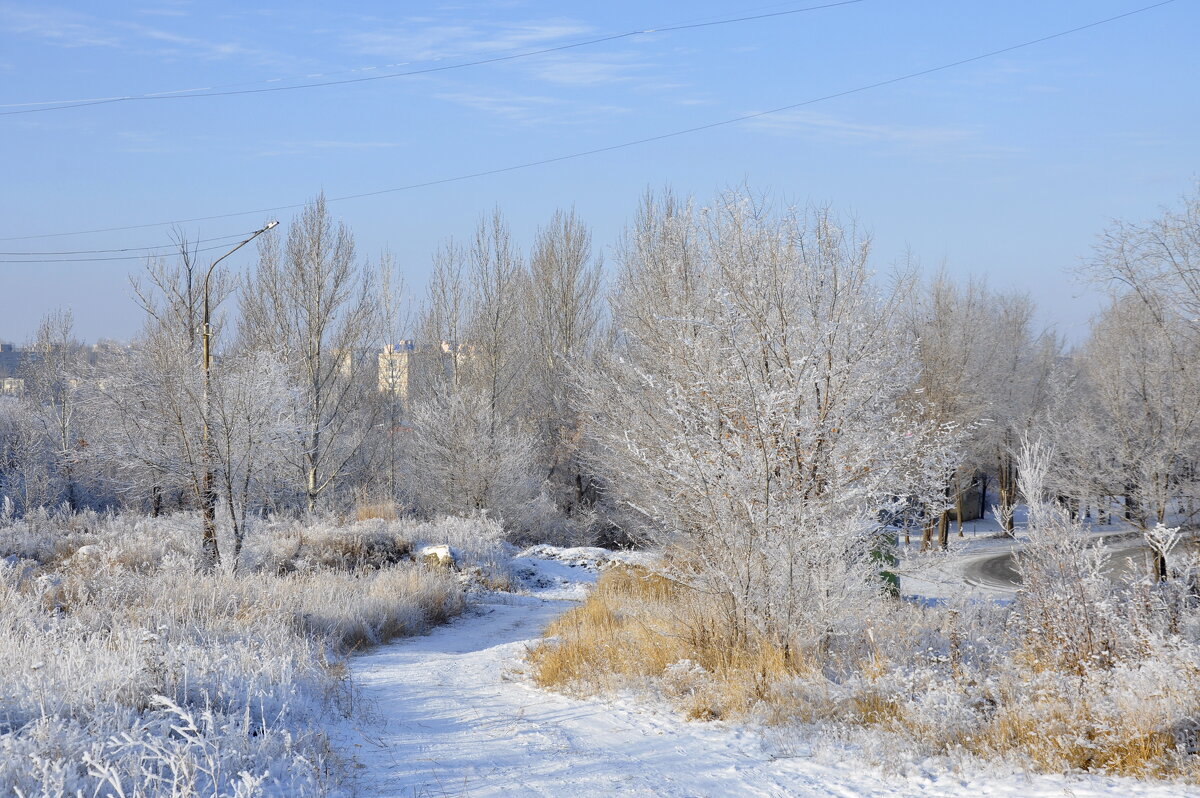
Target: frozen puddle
[[453, 720]]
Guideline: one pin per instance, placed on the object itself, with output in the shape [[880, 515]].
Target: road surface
[[999, 571]]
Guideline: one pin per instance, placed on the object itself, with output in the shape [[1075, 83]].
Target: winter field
[[126, 673], [690, 528]]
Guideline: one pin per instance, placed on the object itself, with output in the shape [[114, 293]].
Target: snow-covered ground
[[455, 716]]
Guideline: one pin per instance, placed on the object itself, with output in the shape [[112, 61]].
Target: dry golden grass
[[636, 624], [366, 510], [1058, 735], [638, 627]]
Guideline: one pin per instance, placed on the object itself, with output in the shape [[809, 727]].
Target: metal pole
[[208, 488]]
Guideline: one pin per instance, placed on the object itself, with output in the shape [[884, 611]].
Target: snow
[[442, 556], [566, 574], [454, 715]]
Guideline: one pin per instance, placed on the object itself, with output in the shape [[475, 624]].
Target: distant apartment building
[[16, 360], [406, 371], [10, 360], [395, 366]]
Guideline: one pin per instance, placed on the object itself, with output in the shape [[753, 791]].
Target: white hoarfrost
[[454, 715]]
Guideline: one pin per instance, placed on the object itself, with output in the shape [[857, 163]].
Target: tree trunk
[[1158, 566], [238, 529], [958, 509], [72, 502], [1131, 504], [311, 483], [209, 553], [983, 489], [1006, 484]]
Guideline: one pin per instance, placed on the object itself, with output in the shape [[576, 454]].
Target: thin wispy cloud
[[72, 29], [516, 107], [178, 45], [588, 69], [1021, 74], [144, 142], [423, 39], [57, 26], [166, 10], [533, 109]]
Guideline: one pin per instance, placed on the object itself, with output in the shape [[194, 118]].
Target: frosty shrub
[[1065, 612], [327, 544], [124, 672], [478, 543], [460, 460]]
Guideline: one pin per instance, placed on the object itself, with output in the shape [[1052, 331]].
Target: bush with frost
[[125, 672]]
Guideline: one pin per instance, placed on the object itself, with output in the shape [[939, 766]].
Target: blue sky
[[1006, 167]]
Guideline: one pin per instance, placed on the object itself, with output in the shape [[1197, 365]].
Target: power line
[[144, 250], [634, 142], [184, 94], [112, 258]]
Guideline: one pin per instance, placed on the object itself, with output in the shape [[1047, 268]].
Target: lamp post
[[208, 491]]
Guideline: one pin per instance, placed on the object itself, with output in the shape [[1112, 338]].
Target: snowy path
[[455, 721]]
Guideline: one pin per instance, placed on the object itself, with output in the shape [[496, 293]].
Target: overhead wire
[[181, 94], [109, 258], [144, 249], [634, 142]]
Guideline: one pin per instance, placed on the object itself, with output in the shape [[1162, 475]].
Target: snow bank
[[555, 572]]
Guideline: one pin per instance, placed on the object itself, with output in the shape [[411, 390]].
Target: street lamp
[[208, 498]]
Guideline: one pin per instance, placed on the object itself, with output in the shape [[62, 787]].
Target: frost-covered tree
[[459, 463], [252, 425], [1022, 381], [497, 343], [983, 369], [52, 374], [151, 403], [444, 316], [314, 305], [26, 480], [1139, 435], [956, 350], [468, 448], [1139, 361], [1157, 261], [563, 314], [751, 410], [164, 361], [1064, 609]]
